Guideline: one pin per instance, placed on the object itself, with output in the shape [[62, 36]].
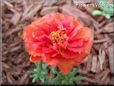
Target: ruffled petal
[[34, 58], [86, 34], [65, 65], [67, 54]]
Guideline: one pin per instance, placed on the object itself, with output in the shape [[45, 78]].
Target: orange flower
[[58, 40]]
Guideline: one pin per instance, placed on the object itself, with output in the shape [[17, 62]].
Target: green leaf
[[107, 9], [66, 79], [64, 82], [78, 78], [97, 12], [39, 72], [34, 79], [75, 71], [56, 81], [42, 78], [54, 70], [107, 16], [44, 66]]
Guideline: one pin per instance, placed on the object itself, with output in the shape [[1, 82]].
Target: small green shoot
[[107, 9], [39, 72]]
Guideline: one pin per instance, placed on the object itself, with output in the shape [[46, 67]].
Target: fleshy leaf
[[97, 12]]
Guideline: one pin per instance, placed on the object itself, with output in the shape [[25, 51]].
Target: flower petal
[[87, 34], [34, 58], [65, 65]]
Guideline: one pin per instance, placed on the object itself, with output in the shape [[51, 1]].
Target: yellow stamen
[[58, 36]]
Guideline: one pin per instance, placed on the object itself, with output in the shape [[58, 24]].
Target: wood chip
[[12, 1], [60, 2], [33, 11], [26, 11], [19, 60], [107, 81], [95, 24], [101, 40], [11, 31], [23, 79], [49, 3], [96, 46], [100, 75], [105, 75], [112, 81], [109, 27], [89, 62], [25, 3], [89, 9], [68, 2], [111, 57], [83, 72], [15, 48], [94, 64], [10, 79], [98, 68], [16, 17], [100, 19], [5, 66], [105, 46], [10, 6], [101, 58], [15, 43], [102, 24], [27, 81], [47, 10], [90, 80], [70, 10]]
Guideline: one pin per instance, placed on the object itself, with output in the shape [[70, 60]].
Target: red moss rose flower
[[58, 40]]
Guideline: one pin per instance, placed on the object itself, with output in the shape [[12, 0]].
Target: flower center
[[58, 36]]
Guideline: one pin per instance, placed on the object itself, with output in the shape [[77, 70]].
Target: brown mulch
[[97, 68]]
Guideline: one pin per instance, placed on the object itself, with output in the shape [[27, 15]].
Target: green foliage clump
[[107, 9], [53, 76]]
